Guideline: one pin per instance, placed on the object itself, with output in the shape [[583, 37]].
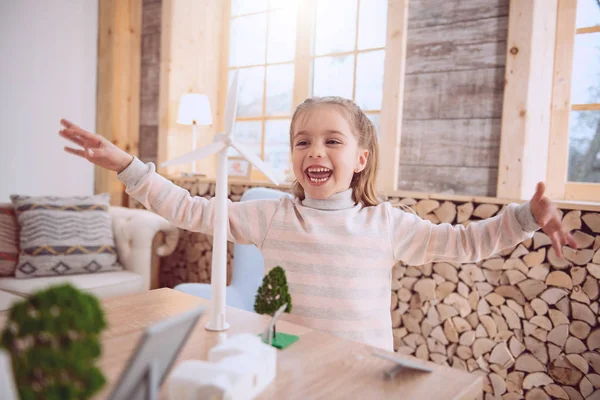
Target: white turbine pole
[[217, 320], [217, 317]]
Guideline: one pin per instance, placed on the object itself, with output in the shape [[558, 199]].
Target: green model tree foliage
[[52, 338], [273, 293]]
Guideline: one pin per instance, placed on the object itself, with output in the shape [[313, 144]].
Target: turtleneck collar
[[339, 201]]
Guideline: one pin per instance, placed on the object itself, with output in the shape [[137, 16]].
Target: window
[[261, 46], [338, 49], [349, 52], [574, 159]]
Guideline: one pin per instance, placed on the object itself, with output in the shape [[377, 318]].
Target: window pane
[[239, 7], [369, 80], [585, 85], [588, 13], [333, 76], [280, 87], [277, 146], [249, 134], [372, 24], [335, 26], [282, 36], [248, 40], [376, 120], [277, 4], [584, 146], [277, 132], [250, 97]]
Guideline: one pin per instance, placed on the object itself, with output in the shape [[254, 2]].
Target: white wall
[[48, 62]]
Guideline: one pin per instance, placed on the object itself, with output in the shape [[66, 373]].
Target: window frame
[[390, 113], [559, 188]]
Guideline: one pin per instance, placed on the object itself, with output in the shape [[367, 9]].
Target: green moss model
[[53, 340]]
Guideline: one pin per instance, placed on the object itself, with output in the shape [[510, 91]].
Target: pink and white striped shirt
[[338, 255]]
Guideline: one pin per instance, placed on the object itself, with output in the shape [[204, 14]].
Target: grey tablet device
[[403, 362], [154, 356]]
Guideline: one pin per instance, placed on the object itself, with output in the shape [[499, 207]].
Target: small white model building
[[239, 368], [8, 390]]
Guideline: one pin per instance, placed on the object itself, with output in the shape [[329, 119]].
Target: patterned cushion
[[64, 235], [9, 240]]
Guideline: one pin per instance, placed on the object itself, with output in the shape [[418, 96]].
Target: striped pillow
[[64, 235], [9, 240]]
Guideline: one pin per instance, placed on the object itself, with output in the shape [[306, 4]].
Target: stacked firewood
[[525, 320], [192, 259]]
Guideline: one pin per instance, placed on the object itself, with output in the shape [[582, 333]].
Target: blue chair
[[248, 265]]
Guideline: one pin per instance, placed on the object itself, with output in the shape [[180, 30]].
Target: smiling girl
[[336, 240]]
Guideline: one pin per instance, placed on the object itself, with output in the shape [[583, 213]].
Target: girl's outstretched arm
[[95, 148], [416, 241], [248, 221]]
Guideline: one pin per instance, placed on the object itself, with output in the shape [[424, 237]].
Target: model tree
[[273, 294], [53, 340]]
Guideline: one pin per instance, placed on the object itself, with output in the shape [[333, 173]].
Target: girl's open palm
[[96, 149], [548, 219]]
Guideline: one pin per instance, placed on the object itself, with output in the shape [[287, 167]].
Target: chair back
[[248, 262]]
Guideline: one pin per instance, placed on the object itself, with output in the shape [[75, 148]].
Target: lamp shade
[[194, 108]]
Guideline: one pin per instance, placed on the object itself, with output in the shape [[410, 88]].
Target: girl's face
[[325, 152]]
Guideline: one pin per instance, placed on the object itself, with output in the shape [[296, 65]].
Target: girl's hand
[[96, 149], [547, 217]]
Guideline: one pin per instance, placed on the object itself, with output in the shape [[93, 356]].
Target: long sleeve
[[416, 241], [248, 221]]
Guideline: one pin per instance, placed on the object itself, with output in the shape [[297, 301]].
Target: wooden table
[[319, 365]]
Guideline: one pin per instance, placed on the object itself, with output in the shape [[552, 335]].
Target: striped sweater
[[338, 255]]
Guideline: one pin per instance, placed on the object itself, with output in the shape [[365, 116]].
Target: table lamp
[[194, 109]]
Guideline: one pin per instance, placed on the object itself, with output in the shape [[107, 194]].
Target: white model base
[[220, 328], [240, 368]]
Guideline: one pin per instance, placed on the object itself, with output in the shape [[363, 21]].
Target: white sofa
[[141, 237]]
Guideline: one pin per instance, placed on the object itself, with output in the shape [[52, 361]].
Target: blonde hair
[[363, 182]]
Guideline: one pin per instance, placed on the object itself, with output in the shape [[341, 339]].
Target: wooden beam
[[527, 97], [190, 63], [162, 154], [558, 150], [591, 29], [305, 28], [585, 107], [393, 95], [224, 63], [582, 191], [118, 97]]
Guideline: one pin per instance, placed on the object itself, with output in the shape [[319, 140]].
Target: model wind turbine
[[220, 144]]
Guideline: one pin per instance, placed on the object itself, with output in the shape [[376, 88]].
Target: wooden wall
[[150, 74], [455, 67], [117, 109]]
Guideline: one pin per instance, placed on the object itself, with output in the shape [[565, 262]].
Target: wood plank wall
[[150, 74], [456, 56], [118, 111]]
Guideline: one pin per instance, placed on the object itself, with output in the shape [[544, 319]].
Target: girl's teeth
[[318, 180]]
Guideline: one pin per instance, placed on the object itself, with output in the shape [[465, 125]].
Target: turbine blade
[[231, 104], [256, 161]]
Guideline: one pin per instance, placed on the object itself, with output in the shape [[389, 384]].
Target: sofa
[[141, 238]]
